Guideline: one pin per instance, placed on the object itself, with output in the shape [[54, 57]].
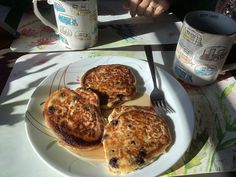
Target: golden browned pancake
[[88, 96], [74, 118], [114, 84], [134, 137]]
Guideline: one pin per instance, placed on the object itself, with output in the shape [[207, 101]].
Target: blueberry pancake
[[74, 117], [134, 137], [114, 84]]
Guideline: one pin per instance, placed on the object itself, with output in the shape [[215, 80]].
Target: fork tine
[[158, 110], [159, 107], [169, 108], [159, 104], [162, 111], [163, 104], [166, 107], [155, 108]]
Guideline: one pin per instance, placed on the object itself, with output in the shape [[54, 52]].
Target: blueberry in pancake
[[134, 137], [74, 117], [114, 84]]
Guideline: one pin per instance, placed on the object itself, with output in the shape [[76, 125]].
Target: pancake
[[134, 137], [75, 118], [114, 84], [88, 96]]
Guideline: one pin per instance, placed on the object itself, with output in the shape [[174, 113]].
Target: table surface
[[211, 153], [19, 154]]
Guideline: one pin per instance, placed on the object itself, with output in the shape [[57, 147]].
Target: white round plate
[[69, 164]]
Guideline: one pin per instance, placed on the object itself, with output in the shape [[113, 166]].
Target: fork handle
[[148, 52]]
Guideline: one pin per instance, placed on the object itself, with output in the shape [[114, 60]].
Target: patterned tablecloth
[[213, 145]]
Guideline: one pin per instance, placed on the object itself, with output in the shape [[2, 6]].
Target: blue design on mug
[[58, 7], [181, 73], [64, 40], [205, 70], [67, 20]]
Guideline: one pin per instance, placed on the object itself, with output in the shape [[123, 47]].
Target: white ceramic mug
[[77, 24], [205, 40]]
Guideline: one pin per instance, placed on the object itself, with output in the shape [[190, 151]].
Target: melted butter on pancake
[[142, 100]]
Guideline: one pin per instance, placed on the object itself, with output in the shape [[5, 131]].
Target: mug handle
[[41, 18]]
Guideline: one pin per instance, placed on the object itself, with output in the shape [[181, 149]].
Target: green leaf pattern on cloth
[[214, 140]]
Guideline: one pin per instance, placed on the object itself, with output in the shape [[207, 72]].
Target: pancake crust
[[114, 84], [74, 118], [134, 137], [87, 95]]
